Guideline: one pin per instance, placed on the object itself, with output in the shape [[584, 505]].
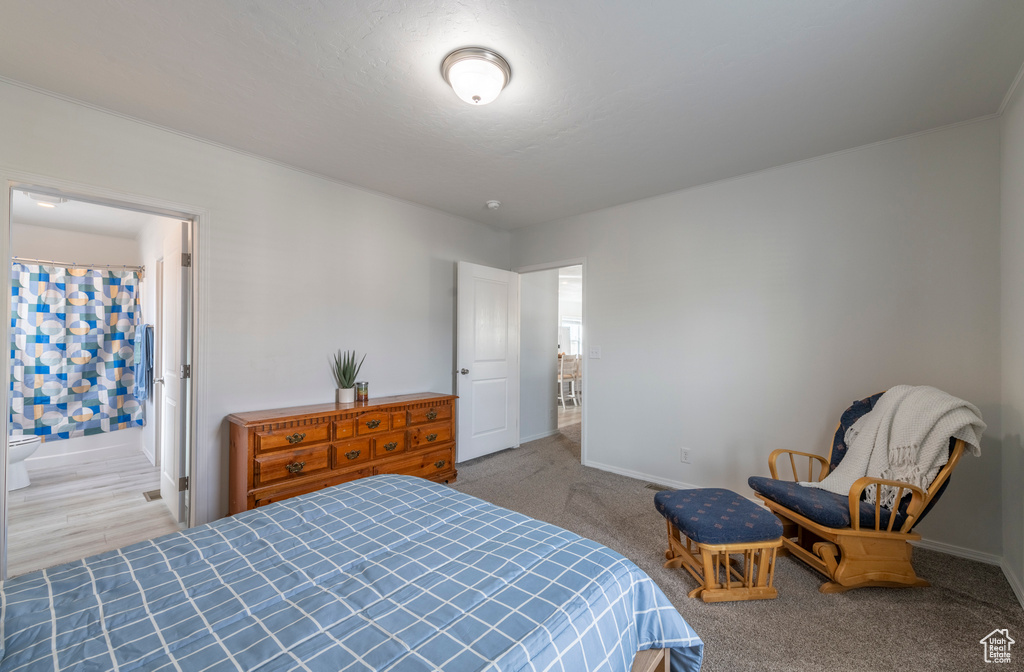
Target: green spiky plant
[[345, 368]]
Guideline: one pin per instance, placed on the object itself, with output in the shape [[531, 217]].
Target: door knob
[[464, 372]]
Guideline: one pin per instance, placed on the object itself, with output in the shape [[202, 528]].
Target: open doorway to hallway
[[98, 326], [552, 366], [570, 343]]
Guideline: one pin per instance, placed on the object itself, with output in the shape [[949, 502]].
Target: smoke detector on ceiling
[[493, 205]]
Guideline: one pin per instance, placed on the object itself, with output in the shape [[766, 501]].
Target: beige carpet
[[936, 628]]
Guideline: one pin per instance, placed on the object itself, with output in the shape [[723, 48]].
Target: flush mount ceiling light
[[46, 200], [477, 75]]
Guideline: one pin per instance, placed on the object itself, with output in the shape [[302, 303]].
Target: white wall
[[295, 266], [1013, 339], [538, 414], [38, 242], [746, 315]]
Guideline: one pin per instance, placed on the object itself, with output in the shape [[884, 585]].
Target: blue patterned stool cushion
[[717, 516], [823, 507]]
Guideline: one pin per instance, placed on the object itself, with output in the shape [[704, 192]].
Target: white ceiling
[[78, 216], [609, 101]]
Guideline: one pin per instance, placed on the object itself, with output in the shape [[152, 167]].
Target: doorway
[[570, 348], [552, 366], [96, 296], [507, 369]]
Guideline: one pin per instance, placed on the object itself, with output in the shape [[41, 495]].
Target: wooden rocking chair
[[853, 543]]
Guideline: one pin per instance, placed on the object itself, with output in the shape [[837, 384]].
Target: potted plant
[[345, 371]]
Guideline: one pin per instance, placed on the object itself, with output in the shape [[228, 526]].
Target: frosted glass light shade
[[476, 75]]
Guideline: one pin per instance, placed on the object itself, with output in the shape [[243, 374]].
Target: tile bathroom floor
[[74, 511]]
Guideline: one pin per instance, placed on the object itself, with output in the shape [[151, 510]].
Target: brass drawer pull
[[440, 464], [391, 446], [295, 467], [296, 437], [353, 454], [431, 414], [431, 437], [372, 424]]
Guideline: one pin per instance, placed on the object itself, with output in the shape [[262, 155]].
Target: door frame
[[200, 217], [158, 361], [548, 266]]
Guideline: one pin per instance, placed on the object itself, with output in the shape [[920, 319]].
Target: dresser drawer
[[369, 423], [388, 445], [424, 465], [418, 416], [398, 420], [269, 497], [293, 437], [344, 429], [349, 453], [429, 435], [292, 464]]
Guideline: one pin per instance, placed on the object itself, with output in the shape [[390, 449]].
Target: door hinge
[[186, 259], [183, 484], [186, 371]]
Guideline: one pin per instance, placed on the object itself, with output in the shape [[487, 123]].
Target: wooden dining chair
[[576, 384], [564, 374]]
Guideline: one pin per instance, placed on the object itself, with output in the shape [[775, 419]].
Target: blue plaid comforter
[[388, 572]]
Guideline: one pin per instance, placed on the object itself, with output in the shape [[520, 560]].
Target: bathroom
[[84, 456]]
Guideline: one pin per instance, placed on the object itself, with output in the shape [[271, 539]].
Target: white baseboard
[[536, 437], [114, 452], [657, 480], [959, 551], [660, 480], [1014, 582], [987, 558]]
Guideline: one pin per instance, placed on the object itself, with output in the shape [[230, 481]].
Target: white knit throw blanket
[[905, 437]]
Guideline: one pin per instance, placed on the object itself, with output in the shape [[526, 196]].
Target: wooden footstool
[[730, 543]]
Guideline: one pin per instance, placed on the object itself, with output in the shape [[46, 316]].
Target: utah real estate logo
[[996, 646]]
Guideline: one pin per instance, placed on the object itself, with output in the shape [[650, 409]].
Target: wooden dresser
[[285, 452]]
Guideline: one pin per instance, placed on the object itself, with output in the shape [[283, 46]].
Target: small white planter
[[345, 395]]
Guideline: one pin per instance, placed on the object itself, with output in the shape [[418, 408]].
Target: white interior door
[[487, 358], [169, 439]]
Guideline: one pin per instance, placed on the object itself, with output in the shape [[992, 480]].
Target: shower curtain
[[72, 336]]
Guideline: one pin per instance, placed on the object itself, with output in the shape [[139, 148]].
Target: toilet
[[19, 448]]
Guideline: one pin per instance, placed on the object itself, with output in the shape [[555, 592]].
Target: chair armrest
[[810, 464], [917, 501]]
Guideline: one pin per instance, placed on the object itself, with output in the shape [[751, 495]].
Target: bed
[[387, 572]]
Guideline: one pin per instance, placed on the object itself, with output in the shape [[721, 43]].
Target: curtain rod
[[48, 262]]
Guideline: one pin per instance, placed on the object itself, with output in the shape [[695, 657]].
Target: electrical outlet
[[684, 455]]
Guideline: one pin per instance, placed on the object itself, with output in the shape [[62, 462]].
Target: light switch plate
[[595, 352]]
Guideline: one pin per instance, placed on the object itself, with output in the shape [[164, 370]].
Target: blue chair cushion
[[850, 416], [717, 516], [823, 507]]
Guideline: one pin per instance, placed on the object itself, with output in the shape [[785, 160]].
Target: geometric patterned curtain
[[72, 337]]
